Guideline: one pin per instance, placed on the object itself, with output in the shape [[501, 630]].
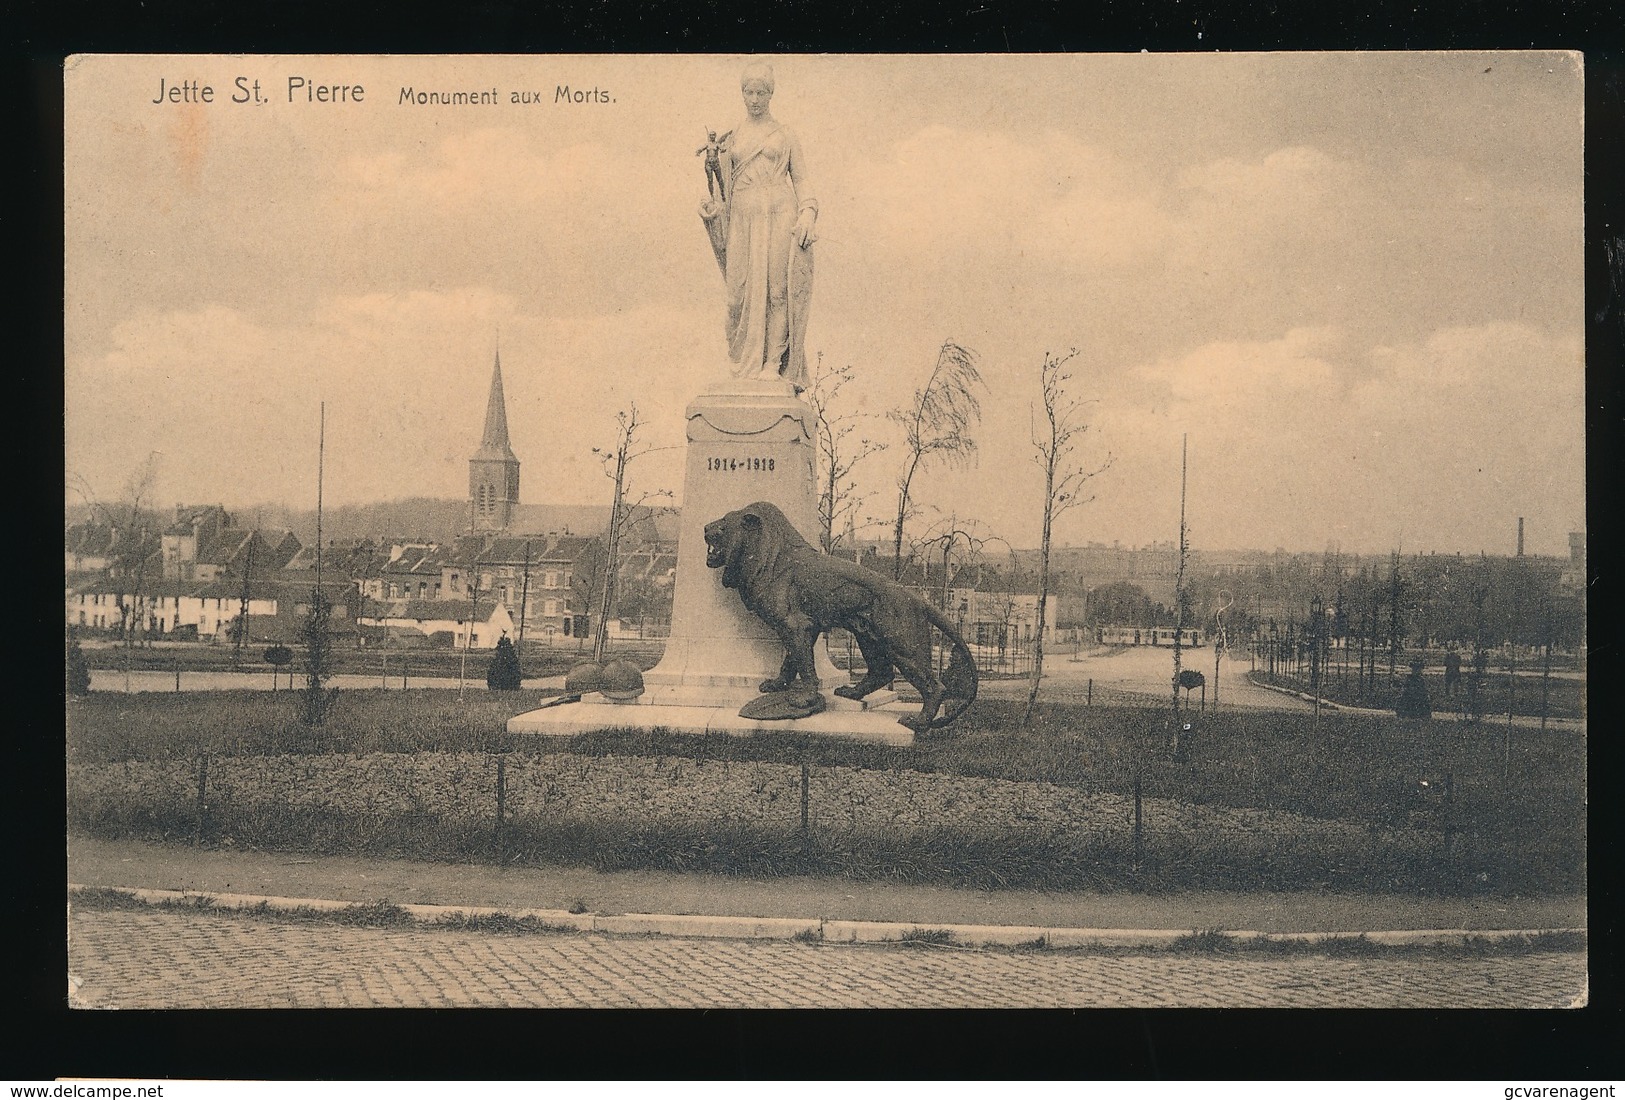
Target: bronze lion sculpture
[[801, 592]]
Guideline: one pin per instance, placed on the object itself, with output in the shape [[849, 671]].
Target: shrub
[[78, 670], [503, 675]]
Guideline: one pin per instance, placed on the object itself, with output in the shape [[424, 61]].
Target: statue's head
[[756, 85]]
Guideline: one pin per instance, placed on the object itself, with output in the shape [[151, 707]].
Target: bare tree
[[1055, 440], [132, 534], [586, 574], [838, 453], [942, 536], [623, 516], [999, 602], [316, 631], [473, 617], [240, 633], [936, 424], [1181, 602], [524, 603]]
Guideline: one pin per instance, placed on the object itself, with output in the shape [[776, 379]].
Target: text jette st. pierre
[[243, 89]]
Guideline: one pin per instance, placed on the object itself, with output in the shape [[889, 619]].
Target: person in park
[[762, 236], [1452, 671], [1413, 697]]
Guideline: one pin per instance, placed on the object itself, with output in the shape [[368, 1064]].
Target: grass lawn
[[537, 660], [1517, 798], [1565, 697]]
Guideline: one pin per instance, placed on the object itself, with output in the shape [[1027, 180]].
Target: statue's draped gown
[[768, 277]]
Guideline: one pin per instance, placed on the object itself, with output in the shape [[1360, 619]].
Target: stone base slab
[[868, 720]]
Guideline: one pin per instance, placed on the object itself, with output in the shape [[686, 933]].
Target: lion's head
[[746, 539]]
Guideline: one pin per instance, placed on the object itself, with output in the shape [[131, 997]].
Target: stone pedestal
[[747, 441]]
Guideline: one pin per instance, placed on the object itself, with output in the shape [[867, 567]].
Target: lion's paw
[[849, 691], [769, 686]]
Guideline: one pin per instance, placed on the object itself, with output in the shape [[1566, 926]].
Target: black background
[[1521, 1047]]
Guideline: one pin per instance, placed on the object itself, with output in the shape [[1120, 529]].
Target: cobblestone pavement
[[156, 959]]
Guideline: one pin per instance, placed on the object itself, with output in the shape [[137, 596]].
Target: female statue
[[762, 236]]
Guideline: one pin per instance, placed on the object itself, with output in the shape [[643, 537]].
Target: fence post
[[202, 789], [1449, 810], [1506, 738], [502, 793], [803, 798], [1139, 824], [177, 673], [1091, 699]]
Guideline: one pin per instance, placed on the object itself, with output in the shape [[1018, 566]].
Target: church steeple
[[493, 471], [494, 442]]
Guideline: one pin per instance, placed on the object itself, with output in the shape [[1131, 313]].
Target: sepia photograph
[[804, 530]]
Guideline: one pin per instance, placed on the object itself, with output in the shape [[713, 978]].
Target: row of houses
[[196, 579]]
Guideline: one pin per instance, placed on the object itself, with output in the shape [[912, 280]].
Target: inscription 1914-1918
[[739, 465]]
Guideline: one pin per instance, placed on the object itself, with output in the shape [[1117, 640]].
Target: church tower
[[493, 472]]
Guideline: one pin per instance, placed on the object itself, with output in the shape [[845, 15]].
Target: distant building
[[493, 471], [478, 626], [205, 544], [1573, 576], [991, 608], [1149, 635], [177, 609], [91, 547]]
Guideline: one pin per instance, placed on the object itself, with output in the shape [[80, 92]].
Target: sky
[[1351, 282]]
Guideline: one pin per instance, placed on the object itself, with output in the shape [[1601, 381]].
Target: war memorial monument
[[733, 663]]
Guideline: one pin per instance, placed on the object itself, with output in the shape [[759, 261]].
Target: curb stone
[[827, 931]]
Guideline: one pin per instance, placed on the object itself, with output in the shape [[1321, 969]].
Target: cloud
[[1045, 199], [1296, 171], [1515, 391], [478, 168], [232, 402], [1243, 376], [1251, 217], [1309, 438]]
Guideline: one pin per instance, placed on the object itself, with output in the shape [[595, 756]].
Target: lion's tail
[[959, 679]]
